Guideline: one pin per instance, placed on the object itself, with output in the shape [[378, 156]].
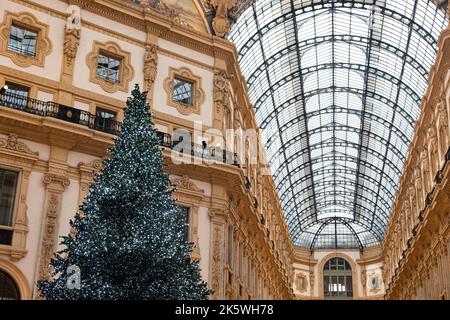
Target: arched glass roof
[[336, 86]]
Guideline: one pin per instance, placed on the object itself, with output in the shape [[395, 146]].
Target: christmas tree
[[128, 240]]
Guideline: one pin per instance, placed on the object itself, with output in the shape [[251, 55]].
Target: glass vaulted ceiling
[[336, 86]]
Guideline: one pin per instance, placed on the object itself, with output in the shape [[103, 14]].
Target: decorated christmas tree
[[128, 238]]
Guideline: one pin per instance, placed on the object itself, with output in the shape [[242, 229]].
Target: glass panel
[[108, 68], [336, 87], [105, 119], [22, 41], [182, 91]]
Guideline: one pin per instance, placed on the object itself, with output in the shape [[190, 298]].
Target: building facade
[[66, 69], [416, 250]]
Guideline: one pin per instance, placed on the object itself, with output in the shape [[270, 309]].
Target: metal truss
[[336, 87]]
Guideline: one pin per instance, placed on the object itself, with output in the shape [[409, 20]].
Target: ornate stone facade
[[416, 246]]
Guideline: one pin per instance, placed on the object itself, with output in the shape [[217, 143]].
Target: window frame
[[15, 196], [109, 56], [112, 50], [185, 81], [198, 95], [23, 28], [25, 20]]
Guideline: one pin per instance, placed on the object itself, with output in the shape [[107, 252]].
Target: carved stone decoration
[[433, 149], [170, 12], [150, 67], [220, 23], [74, 18], [43, 43], [195, 255], [11, 143], [184, 182], [126, 71], [301, 283], [217, 263], [198, 95], [50, 235], [221, 92], [426, 175], [419, 188], [51, 178], [55, 185], [442, 125], [87, 172], [70, 49]]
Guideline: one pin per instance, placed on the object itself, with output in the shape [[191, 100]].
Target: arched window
[[337, 279], [8, 289]]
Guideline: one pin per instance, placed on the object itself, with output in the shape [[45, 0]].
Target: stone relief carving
[[220, 23], [217, 262], [74, 18], [11, 143], [432, 148], [442, 124], [50, 235], [221, 91], [71, 43], [425, 169], [184, 182], [301, 283], [150, 66], [170, 12]]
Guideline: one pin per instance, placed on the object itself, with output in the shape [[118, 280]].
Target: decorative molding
[[11, 143], [70, 49], [197, 91], [184, 182], [49, 239], [29, 21], [221, 93], [55, 179], [18, 277], [354, 272], [301, 282], [220, 22], [217, 261], [17, 155], [150, 68], [126, 71]]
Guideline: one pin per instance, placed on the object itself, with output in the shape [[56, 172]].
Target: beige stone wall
[[59, 157]]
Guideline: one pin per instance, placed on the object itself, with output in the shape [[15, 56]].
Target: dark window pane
[[22, 41], [105, 119], [184, 211], [8, 183], [182, 91], [8, 289]]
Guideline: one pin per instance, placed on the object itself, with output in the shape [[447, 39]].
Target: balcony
[[92, 121], [59, 111]]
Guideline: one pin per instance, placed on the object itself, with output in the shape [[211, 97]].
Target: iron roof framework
[[336, 87]]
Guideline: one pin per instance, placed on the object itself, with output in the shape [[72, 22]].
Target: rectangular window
[[105, 119], [108, 68], [8, 185], [16, 96], [22, 40], [185, 211], [182, 91]]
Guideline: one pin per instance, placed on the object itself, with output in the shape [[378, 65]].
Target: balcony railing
[[59, 111], [87, 119]]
